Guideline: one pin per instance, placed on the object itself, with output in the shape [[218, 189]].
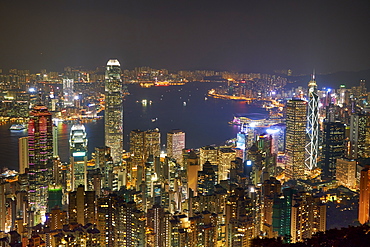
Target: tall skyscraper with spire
[[312, 146], [113, 116]]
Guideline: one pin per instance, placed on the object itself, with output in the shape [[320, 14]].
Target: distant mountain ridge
[[332, 80]]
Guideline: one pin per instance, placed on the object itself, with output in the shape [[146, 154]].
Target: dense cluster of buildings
[[276, 181]]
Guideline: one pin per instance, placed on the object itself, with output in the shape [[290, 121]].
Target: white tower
[[312, 146]]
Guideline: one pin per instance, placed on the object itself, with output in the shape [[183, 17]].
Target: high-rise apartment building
[[312, 146], [296, 119], [114, 110], [175, 144], [40, 146], [82, 206], [308, 216], [78, 148]]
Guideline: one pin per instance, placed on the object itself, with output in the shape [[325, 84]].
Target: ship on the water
[[17, 127]]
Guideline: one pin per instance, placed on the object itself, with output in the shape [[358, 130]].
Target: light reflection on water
[[205, 122]]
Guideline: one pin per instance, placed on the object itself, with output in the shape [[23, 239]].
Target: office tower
[[296, 119], [333, 147], [68, 93], [312, 146], [241, 141], [78, 148], [175, 144], [207, 179], [208, 153], [55, 195], [82, 206], [23, 154], [152, 143], [254, 157], [40, 146], [142, 145], [343, 96], [360, 136], [192, 168], [346, 173], [113, 115], [264, 143], [364, 202], [55, 142], [225, 157]]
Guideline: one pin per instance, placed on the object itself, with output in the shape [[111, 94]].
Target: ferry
[[17, 127]]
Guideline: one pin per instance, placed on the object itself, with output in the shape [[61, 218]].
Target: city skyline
[[239, 36], [231, 194]]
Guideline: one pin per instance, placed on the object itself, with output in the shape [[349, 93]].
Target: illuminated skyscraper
[[208, 153], [68, 94], [308, 216], [175, 144], [312, 146], [360, 136], [225, 157], [333, 147], [142, 145], [78, 147], [345, 173], [40, 143], [114, 110], [296, 119], [23, 154]]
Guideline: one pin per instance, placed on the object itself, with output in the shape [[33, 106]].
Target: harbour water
[[204, 120]]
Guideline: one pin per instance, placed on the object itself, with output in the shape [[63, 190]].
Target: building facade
[[114, 110], [296, 119], [312, 146], [78, 149], [175, 144], [40, 147]]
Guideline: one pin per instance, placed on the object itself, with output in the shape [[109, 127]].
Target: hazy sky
[[249, 36]]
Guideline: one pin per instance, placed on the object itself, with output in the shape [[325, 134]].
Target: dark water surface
[[205, 121]]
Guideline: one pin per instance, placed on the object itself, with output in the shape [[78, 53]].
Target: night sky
[[244, 36]]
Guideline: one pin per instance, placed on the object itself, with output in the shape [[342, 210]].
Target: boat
[[17, 127]]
